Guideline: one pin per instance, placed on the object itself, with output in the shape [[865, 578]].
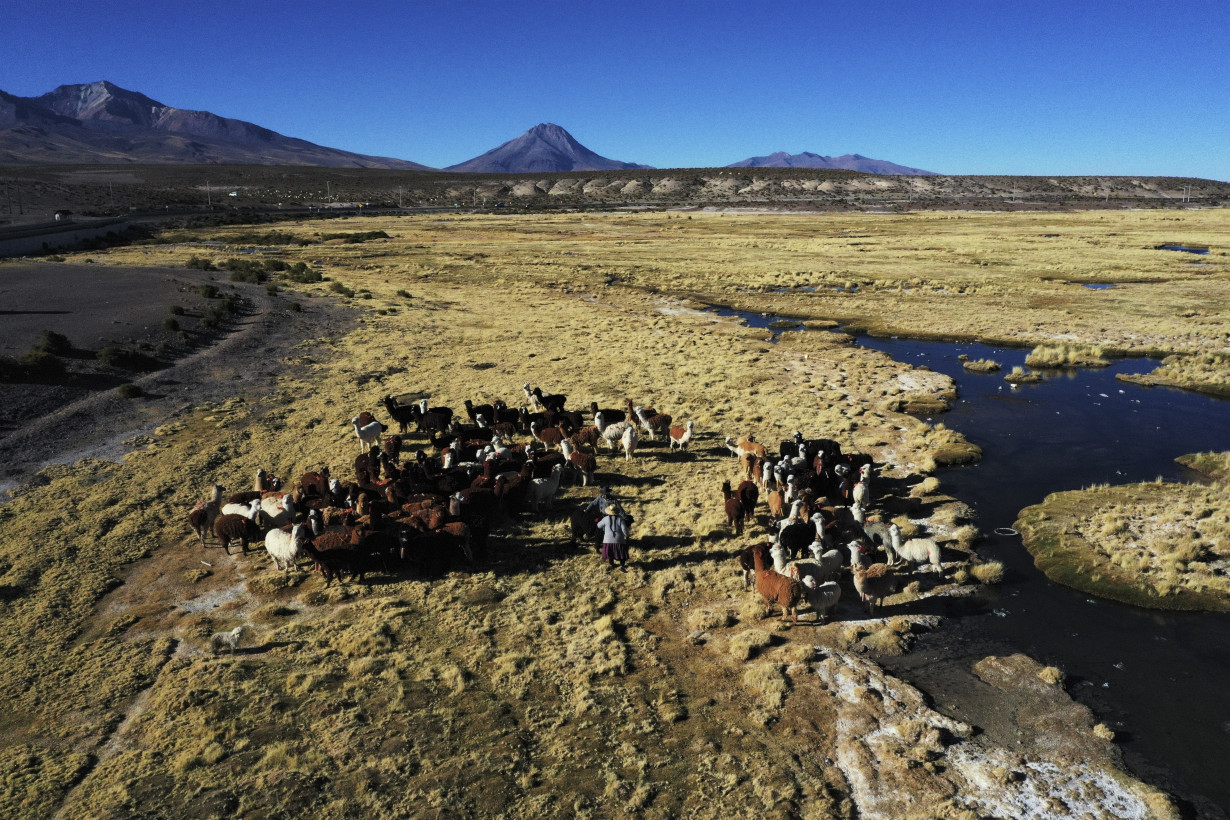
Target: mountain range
[[846, 162], [102, 123]]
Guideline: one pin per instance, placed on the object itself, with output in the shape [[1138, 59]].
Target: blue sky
[[1027, 87]]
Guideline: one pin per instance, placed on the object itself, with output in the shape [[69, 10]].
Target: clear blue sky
[[1024, 87]]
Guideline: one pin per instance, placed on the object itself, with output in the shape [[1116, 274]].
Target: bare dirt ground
[[97, 306]]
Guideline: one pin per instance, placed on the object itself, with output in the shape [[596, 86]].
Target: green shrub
[[271, 289], [302, 273], [124, 358], [267, 238], [170, 323], [294, 307], [355, 238], [272, 265], [177, 310], [338, 287], [52, 342], [39, 365], [130, 391], [197, 263], [403, 293], [208, 291]]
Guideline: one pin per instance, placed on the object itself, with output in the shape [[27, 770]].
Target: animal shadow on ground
[[678, 560]]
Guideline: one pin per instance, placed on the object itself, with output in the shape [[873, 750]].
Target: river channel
[[1161, 680]]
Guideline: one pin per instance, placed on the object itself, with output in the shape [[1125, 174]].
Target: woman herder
[[614, 530]]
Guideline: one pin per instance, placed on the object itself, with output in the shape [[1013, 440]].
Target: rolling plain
[[534, 682]]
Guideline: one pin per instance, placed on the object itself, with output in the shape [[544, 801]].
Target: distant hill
[[545, 148], [846, 162], [103, 123]]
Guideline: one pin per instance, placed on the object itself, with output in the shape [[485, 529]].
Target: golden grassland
[[537, 684]]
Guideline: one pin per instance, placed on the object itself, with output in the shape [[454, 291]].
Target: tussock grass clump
[[1105, 732], [1020, 375], [747, 643], [768, 681], [1064, 355], [982, 366], [1051, 675], [989, 572], [705, 618]]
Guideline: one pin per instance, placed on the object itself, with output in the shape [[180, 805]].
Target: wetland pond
[[1160, 679]]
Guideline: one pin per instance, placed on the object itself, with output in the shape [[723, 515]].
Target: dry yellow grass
[[1153, 544], [537, 684]]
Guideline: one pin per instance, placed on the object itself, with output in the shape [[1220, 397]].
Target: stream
[[1161, 680]]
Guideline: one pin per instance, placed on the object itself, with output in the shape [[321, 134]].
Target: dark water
[[1160, 680], [1184, 248]]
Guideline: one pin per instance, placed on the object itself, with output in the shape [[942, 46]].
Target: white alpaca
[[612, 434], [368, 434], [283, 547], [822, 597], [862, 494], [779, 557], [277, 511], [683, 439], [629, 441], [542, 490], [828, 562], [250, 511], [920, 551], [226, 640], [856, 554]]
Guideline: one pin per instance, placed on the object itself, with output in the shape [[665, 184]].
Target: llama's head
[[809, 582]]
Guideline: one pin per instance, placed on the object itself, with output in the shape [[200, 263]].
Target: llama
[[828, 562], [542, 490], [367, 434], [822, 597], [776, 588], [283, 547], [226, 640], [239, 528], [873, 584], [917, 551], [585, 464], [629, 440], [202, 517], [735, 512], [681, 437]]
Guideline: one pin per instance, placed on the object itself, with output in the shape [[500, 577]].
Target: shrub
[[208, 291], [992, 572], [130, 391], [124, 358], [302, 273], [197, 263], [355, 238], [271, 289], [338, 287], [403, 293], [246, 270], [39, 365], [177, 310], [52, 342], [294, 307], [170, 323]]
